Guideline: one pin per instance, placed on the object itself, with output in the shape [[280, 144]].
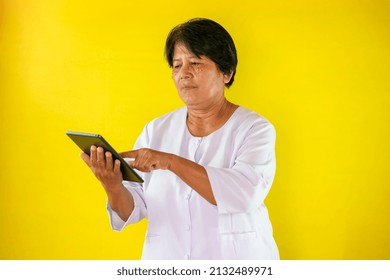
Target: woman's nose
[[185, 72]]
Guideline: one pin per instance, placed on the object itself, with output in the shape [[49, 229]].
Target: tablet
[[86, 140]]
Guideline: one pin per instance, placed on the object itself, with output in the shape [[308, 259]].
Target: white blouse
[[240, 162]]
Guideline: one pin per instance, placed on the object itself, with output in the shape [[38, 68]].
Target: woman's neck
[[202, 122]]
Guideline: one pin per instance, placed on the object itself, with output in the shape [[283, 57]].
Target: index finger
[[129, 154]]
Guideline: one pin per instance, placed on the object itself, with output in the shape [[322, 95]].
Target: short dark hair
[[204, 37]]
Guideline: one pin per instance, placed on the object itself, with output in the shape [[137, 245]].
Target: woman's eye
[[176, 66], [195, 63]]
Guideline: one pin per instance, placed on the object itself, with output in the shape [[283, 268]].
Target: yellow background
[[318, 70]]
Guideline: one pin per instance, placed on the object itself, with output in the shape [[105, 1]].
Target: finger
[[150, 161], [117, 166], [139, 161], [136, 163], [93, 156], [129, 154], [151, 165], [109, 163], [85, 158], [101, 161], [146, 163], [130, 162]]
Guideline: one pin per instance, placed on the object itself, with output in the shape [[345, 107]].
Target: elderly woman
[[207, 167]]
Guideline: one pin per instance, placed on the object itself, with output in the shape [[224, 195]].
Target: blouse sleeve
[[137, 192], [244, 186], [139, 211]]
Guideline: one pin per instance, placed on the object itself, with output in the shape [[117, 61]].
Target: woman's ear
[[227, 77]]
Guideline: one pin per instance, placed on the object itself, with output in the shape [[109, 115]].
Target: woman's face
[[199, 81]]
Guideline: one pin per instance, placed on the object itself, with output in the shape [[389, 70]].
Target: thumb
[[85, 158]]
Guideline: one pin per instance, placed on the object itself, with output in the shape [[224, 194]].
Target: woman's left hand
[[193, 174], [147, 160]]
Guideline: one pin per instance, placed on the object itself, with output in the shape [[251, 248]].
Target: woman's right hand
[[105, 169]]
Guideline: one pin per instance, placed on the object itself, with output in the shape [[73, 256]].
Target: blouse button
[[187, 227]]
